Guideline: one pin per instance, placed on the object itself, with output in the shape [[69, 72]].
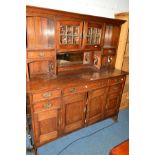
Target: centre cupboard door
[[93, 35], [74, 112], [96, 105], [69, 34]]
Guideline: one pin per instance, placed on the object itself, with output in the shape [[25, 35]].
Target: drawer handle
[[41, 54], [95, 46], [72, 90], [47, 94], [47, 105]]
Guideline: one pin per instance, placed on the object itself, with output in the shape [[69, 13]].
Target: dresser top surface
[[73, 78]]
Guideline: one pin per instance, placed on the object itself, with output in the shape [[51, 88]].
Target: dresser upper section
[[58, 42]]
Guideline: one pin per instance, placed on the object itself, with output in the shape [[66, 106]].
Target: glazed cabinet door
[[92, 37], [96, 105], [69, 34], [74, 111], [40, 32]]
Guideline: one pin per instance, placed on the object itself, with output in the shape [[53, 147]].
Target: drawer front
[[116, 80], [40, 54], [84, 88], [109, 52], [115, 89], [47, 105], [46, 95], [73, 90], [96, 85]]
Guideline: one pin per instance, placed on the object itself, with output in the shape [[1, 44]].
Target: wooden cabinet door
[[46, 125], [92, 36], [112, 104], [111, 36], [69, 34], [40, 32], [74, 113], [96, 105]]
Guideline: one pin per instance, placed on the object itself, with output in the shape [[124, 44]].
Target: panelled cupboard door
[[40, 32], [112, 104], [111, 36], [92, 36], [74, 114], [46, 125], [69, 34], [96, 105]]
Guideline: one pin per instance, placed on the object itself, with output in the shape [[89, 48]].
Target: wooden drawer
[[98, 84], [84, 88], [115, 89], [47, 105], [109, 52], [116, 80], [73, 90], [46, 95], [40, 54]]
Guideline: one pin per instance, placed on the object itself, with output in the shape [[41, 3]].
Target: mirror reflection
[[73, 58]]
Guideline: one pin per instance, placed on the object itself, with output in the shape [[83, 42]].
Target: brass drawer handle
[[72, 90], [47, 105], [41, 54], [47, 94], [95, 46]]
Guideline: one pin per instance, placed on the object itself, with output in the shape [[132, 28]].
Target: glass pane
[[88, 41], [69, 40], [62, 29], [94, 30], [67, 59], [76, 40], [89, 31], [76, 30], [69, 30], [97, 40], [63, 39], [93, 40], [98, 31]]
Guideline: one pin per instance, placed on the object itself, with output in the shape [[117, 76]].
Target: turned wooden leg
[[35, 151], [115, 118]]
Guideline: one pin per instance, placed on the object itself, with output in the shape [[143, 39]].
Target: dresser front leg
[[35, 151], [115, 118]]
